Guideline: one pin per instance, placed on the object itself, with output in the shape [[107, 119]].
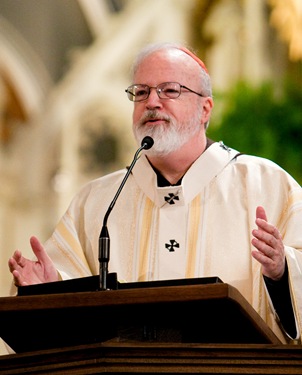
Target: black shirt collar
[[163, 182]]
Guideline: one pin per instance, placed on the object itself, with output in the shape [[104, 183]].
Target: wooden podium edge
[[116, 298]]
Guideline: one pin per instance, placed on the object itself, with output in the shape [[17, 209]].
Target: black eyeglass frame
[[131, 96]]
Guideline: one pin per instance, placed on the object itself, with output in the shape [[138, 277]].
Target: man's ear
[[207, 107]]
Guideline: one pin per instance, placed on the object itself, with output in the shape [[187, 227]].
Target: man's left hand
[[270, 249]]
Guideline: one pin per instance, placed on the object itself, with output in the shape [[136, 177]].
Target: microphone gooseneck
[[104, 239]]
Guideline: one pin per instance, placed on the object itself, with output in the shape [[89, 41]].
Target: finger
[[37, 247], [12, 264], [263, 248], [15, 261], [39, 250], [35, 243], [17, 256], [18, 279], [268, 245], [260, 213], [266, 231], [262, 258], [265, 238]]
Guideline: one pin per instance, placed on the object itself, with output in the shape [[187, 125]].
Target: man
[[191, 207]]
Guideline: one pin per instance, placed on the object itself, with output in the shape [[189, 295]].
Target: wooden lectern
[[174, 328]]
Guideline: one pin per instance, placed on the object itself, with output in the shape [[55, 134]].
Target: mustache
[[153, 115]]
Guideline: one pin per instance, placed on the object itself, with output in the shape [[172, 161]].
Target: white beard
[[169, 136]]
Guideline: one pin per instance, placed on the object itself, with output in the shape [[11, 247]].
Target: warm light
[[287, 18]]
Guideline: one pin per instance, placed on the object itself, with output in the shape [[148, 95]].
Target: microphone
[[104, 239], [147, 143]]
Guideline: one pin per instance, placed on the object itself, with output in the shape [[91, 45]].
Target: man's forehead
[[180, 54]]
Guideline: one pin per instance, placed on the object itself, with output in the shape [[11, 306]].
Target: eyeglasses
[[166, 90]]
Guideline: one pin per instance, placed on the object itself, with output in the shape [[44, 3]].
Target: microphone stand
[[104, 239]]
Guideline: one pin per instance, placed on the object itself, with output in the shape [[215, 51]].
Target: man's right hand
[[27, 272]]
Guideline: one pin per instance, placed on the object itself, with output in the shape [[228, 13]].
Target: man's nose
[[153, 100]]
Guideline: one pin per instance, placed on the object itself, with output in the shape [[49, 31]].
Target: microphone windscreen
[[147, 142]]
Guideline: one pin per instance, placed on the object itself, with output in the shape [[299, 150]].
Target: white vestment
[[201, 228]]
